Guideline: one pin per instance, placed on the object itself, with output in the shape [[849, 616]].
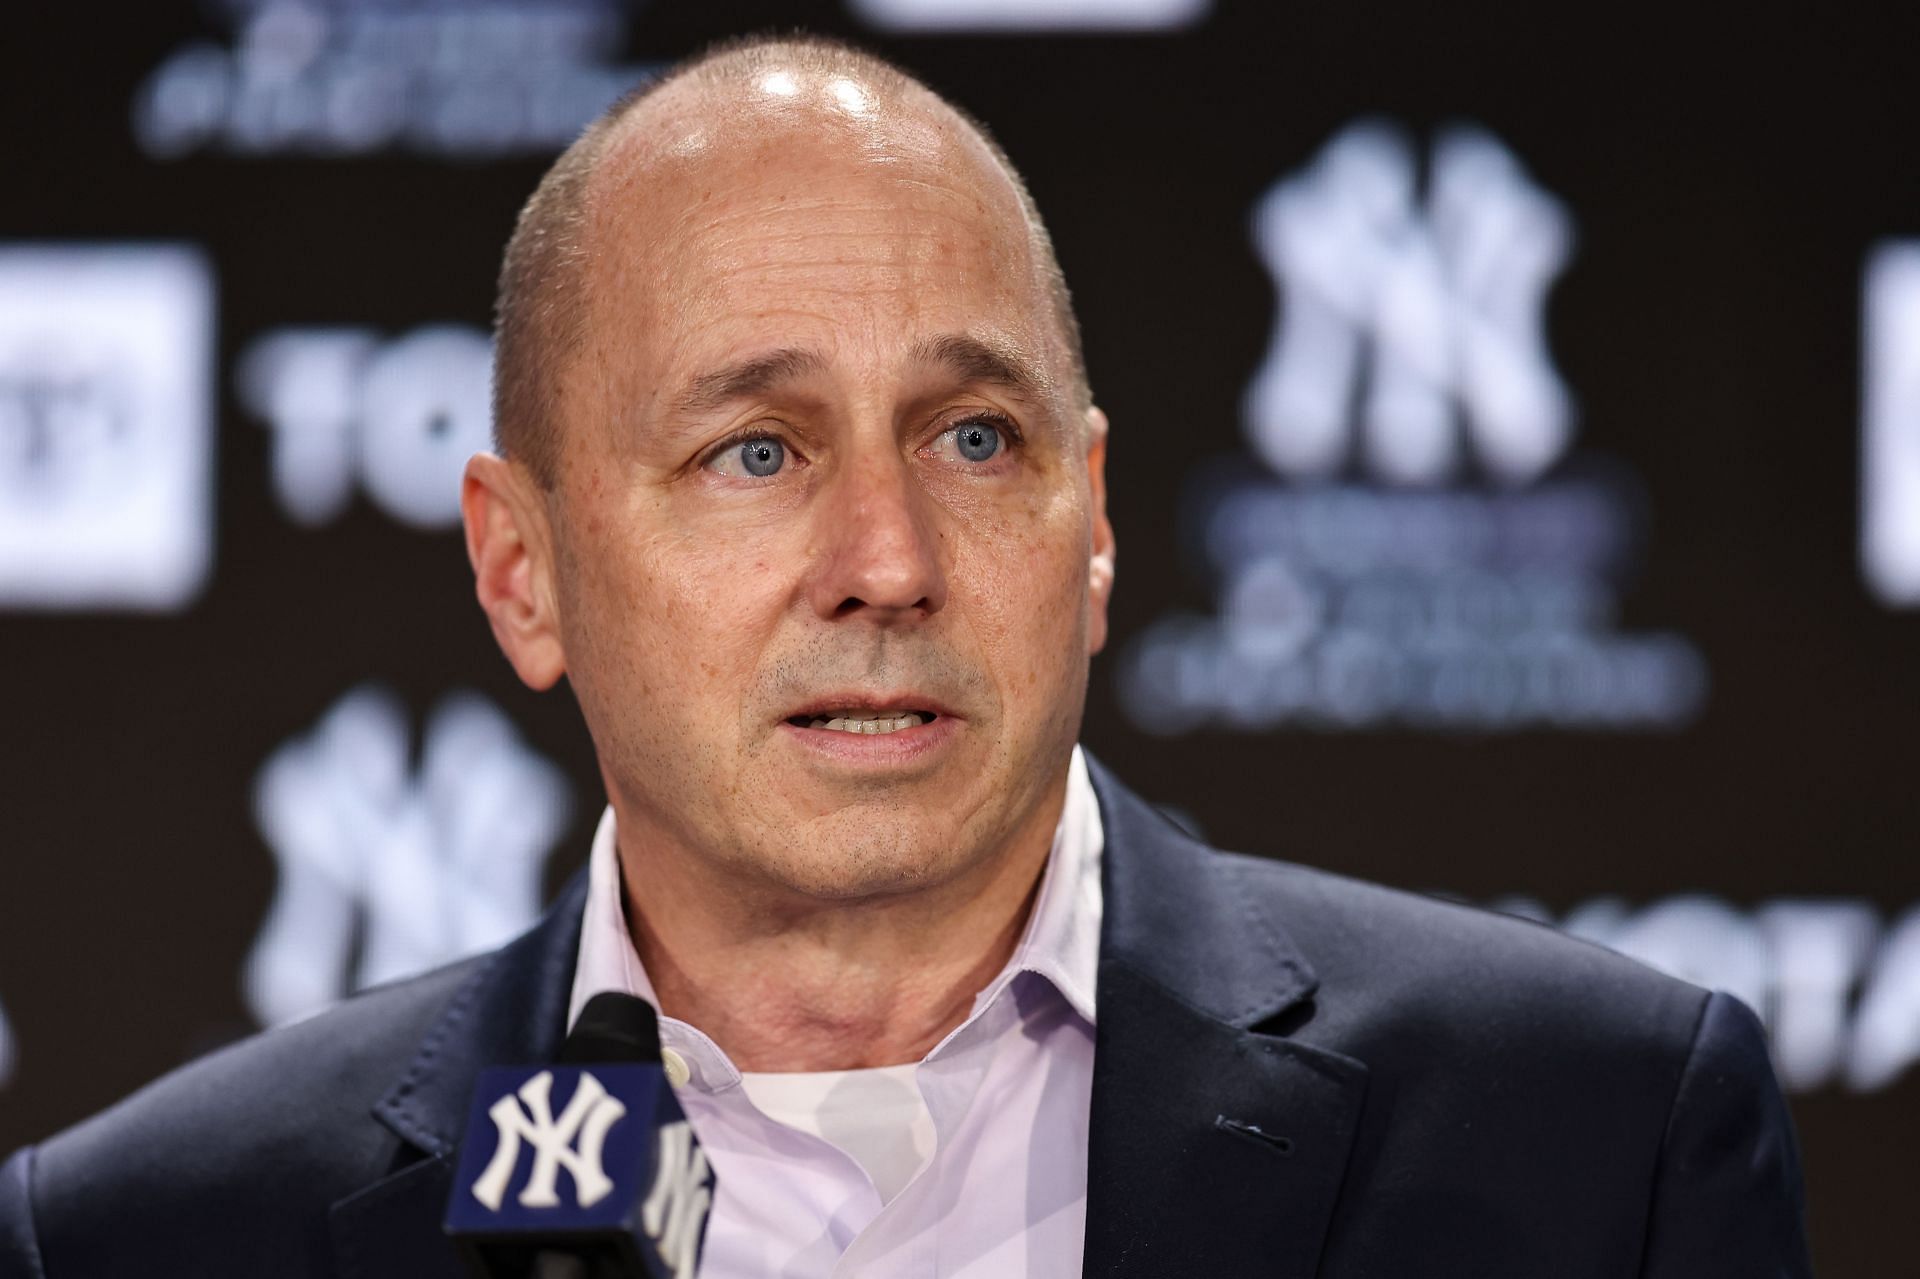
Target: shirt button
[[676, 1067]]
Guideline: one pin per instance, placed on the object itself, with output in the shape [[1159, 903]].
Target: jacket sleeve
[[19, 1248], [1727, 1196]]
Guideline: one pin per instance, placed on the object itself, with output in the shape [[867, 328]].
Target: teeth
[[870, 722]]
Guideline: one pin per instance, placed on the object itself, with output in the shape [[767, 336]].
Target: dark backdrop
[[1726, 183]]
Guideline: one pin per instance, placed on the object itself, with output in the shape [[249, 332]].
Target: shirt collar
[[1061, 942], [1062, 937]]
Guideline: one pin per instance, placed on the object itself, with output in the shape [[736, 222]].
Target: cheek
[[671, 621], [1029, 586], [708, 611]]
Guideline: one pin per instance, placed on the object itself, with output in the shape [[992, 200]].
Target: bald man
[[800, 484]]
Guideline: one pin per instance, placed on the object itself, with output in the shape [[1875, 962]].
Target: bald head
[[644, 171]]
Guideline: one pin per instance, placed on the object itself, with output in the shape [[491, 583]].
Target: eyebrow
[[968, 358], [977, 362], [750, 377]]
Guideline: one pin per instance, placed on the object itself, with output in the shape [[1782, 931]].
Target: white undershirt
[[877, 1116]]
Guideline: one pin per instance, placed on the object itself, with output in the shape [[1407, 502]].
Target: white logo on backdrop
[[1426, 553], [1413, 309], [401, 418], [1839, 993], [106, 426], [575, 1140], [1031, 15], [420, 865], [453, 78], [675, 1212], [1890, 426]]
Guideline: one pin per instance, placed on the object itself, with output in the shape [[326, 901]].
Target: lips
[[889, 735], [867, 721], [866, 714]]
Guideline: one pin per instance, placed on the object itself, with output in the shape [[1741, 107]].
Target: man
[[801, 488]]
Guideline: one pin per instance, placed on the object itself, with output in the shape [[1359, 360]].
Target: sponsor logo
[[457, 79], [386, 869], [675, 1212], [347, 410], [574, 1141], [106, 426], [1423, 549], [1890, 426]]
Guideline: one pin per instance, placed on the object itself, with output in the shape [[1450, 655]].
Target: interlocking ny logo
[[575, 1140], [386, 869], [675, 1213], [1394, 313]]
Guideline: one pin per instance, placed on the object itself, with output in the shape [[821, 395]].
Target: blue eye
[[976, 441], [762, 457]]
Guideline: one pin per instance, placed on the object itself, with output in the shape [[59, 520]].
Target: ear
[[1100, 567], [509, 543]]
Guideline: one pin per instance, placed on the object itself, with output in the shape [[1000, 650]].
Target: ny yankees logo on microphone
[[637, 1188], [576, 1139], [675, 1213]]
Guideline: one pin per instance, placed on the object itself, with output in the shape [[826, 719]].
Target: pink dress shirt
[[1003, 1194]]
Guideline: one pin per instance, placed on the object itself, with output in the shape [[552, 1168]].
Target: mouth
[[877, 733], [864, 720]]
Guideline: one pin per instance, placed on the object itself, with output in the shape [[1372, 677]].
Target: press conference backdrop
[[1516, 467]]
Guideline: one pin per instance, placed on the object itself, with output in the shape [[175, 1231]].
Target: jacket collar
[[1161, 885], [1214, 1148], [512, 1009]]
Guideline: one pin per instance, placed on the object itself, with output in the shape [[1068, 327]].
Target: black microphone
[[613, 1028], [584, 1169]]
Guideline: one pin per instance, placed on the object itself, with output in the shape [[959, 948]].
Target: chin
[[848, 855]]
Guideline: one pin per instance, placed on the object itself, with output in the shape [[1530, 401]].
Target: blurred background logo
[[387, 869], [1399, 312], [1890, 411], [1374, 579], [454, 79], [398, 418], [106, 425]]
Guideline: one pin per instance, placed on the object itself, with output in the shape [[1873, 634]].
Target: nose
[[879, 552]]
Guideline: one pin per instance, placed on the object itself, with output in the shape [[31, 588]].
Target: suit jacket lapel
[[512, 1010], [1215, 1149]]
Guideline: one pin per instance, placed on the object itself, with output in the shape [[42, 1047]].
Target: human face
[[823, 463]]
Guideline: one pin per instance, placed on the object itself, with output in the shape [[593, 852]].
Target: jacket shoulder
[[1418, 967], [1358, 966], [1539, 1069], [250, 1143]]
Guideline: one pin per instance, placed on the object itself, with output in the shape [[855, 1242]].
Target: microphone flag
[[593, 1163]]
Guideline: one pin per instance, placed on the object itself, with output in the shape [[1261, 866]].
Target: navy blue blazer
[[1295, 1074]]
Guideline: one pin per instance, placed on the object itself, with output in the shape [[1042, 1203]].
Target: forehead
[[820, 211]]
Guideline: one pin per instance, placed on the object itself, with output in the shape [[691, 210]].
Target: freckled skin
[[847, 915]]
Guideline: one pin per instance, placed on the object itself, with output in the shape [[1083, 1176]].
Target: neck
[[785, 983]]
